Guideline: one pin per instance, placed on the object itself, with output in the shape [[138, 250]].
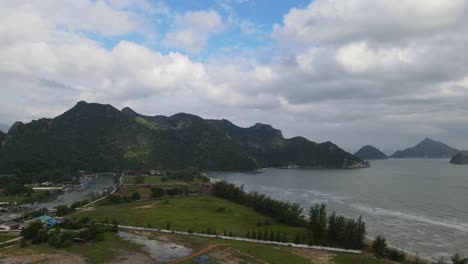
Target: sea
[[419, 205]]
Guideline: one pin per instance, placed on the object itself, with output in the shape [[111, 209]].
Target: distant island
[[99, 137], [460, 159], [428, 148], [369, 152]]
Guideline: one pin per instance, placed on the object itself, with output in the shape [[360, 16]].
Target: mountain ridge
[[101, 137], [427, 148]]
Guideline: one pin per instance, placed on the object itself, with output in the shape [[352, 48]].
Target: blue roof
[[52, 222], [44, 218]]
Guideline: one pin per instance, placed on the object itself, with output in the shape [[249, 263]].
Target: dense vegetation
[[101, 138], [323, 229], [63, 234]]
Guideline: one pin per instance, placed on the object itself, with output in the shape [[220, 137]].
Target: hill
[[100, 137], [427, 148], [459, 159], [369, 152]]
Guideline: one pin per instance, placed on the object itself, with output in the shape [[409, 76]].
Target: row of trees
[[322, 229], [285, 212], [335, 230]]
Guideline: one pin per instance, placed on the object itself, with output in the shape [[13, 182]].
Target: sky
[[355, 72]]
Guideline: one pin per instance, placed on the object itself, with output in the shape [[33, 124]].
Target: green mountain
[[427, 148], [100, 137], [369, 152]]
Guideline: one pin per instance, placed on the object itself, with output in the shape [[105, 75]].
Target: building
[[47, 220], [9, 226]]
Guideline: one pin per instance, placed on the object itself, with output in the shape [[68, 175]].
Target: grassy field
[[35, 197], [197, 213]]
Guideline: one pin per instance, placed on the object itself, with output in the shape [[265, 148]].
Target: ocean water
[[420, 205]]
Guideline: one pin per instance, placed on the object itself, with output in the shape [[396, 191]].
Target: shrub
[[379, 246], [220, 210], [136, 196]]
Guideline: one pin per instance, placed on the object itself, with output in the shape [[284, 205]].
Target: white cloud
[[332, 21], [192, 30]]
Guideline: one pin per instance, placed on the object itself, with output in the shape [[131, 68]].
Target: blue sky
[[259, 15]]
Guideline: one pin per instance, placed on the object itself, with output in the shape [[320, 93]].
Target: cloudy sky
[[355, 72]]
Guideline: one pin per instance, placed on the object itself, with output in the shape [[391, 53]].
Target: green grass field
[[197, 213], [35, 197]]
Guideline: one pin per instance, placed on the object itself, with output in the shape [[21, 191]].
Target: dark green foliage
[[282, 211], [318, 222], [254, 235], [272, 236], [101, 138], [116, 199], [32, 230], [135, 196], [458, 259], [379, 246], [15, 189], [157, 192], [395, 255], [63, 210], [278, 236], [247, 235]]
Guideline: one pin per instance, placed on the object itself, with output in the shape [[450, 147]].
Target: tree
[[136, 196], [379, 246], [278, 236], [247, 235], [157, 192], [284, 239], [272, 236], [318, 221], [254, 235], [32, 230]]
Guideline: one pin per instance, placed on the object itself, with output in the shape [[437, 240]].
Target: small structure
[[47, 220], [46, 183], [9, 226]]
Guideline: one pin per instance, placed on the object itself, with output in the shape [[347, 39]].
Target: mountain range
[[100, 137], [369, 152], [428, 148]]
